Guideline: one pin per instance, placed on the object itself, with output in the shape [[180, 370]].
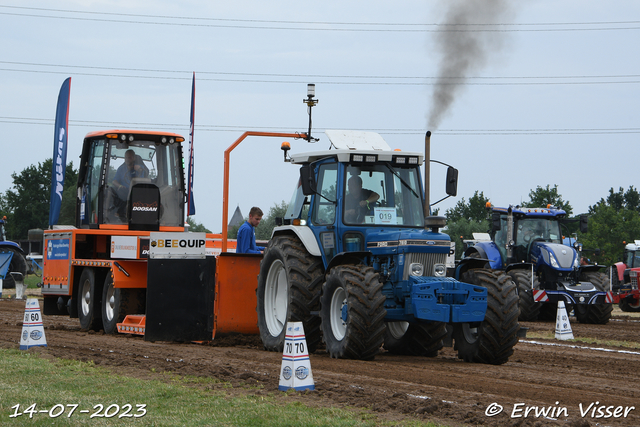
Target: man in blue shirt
[[247, 234]]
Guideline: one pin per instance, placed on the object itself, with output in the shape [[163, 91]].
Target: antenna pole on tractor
[[311, 92]]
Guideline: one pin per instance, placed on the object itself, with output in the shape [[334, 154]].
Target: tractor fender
[[305, 235], [518, 266], [469, 263], [488, 251], [620, 267], [351, 258], [473, 250], [590, 268], [12, 244]]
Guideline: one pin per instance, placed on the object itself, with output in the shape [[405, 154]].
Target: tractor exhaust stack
[[427, 170]]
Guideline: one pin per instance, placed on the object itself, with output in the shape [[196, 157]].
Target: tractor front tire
[[594, 314], [89, 297], [18, 264], [492, 341], [415, 339], [529, 308], [289, 286], [352, 312], [630, 305]]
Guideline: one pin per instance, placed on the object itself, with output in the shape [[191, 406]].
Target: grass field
[[30, 384]]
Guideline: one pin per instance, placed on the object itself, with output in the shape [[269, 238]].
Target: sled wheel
[[117, 303], [89, 297]]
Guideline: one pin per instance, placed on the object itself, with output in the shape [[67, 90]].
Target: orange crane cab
[[130, 183], [130, 193]]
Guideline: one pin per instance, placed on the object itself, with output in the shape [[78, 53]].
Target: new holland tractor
[[527, 244], [361, 263], [12, 253]]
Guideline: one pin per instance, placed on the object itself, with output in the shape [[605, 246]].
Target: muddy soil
[[564, 378]]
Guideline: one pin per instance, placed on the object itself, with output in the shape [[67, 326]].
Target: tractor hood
[[407, 240], [555, 255]]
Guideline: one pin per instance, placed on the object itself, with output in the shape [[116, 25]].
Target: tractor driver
[[358, 202], [131, 168]]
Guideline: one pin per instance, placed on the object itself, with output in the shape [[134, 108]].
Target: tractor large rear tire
[[594, 314], [493, 340], [352, 312], [18, 264], [415, 339], [289, 286], [529, 308], [89, 298]]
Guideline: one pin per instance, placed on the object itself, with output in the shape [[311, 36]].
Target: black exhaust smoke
[[464, 46]]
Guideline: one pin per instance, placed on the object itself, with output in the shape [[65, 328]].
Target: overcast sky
[[546, 92]]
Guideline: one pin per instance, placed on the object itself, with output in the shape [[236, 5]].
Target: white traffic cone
[[563, 327], [295, 372], [32, 329]]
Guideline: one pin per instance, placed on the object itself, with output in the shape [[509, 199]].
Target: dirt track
[[442, 389]]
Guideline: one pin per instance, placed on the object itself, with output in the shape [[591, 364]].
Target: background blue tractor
[[18, 263], [364, 268], [527, 244]]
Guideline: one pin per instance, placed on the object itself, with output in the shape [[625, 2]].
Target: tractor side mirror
[[452, 181], [495, 221], [583, 223], [307, 180]]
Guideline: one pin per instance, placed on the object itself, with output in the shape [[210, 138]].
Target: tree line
[[613, 220]]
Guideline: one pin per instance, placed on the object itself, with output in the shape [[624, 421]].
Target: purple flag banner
[[59, 152], [192, 203]]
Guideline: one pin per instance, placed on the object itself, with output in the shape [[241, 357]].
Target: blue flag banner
[[59, 152], [192, 203]]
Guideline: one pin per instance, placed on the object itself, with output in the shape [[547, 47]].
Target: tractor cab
[[631, 260], [131, 180], [531, 231], [364, 193], [631, 255]]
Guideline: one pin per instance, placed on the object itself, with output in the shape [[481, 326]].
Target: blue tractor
[[12, 251], [527, 243], [356, 260]]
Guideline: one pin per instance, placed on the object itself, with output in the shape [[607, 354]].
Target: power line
[[307, 76], [219, 128], [238, 80], [327, 26]]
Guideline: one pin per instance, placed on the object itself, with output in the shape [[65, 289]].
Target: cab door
[[323, 214]]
